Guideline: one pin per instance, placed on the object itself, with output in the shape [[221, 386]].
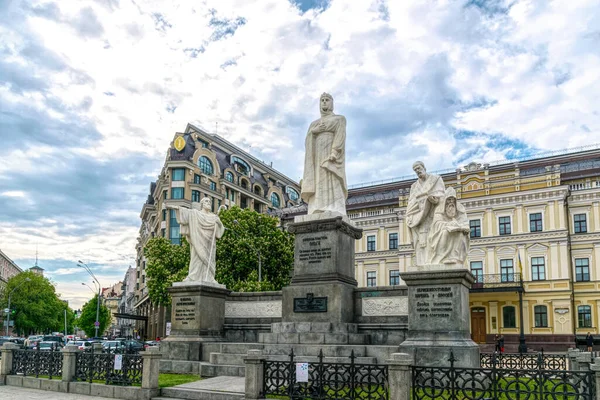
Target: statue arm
[[339, 140]]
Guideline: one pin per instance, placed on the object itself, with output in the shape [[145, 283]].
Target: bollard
[[254, 374], [400, 376], [596, 368], [6, 361], [69, 363]]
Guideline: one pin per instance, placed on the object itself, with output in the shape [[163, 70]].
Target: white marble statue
[[424, 196], [448, 239], [201, 228], [324, 181]]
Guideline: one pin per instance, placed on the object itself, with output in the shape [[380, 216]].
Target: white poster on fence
[[168, 330], [118, 362], [301, 372]]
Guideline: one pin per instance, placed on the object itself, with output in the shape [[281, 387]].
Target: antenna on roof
[[36, 255], [216, 128]]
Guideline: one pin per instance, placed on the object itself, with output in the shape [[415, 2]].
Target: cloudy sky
[[92, 92]]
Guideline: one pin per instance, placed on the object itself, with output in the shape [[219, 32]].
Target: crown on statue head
[[325, 94]]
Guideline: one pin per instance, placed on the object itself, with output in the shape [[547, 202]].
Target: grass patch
[[168, 380]]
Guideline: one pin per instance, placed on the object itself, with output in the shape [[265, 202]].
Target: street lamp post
[[9, 298], [89, 271], [257, 251]]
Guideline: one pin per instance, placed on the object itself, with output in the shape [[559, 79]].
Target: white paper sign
[[301, 372], [118, 362], [168, 330]]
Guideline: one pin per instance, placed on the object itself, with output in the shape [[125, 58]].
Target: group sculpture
[[438, 224]]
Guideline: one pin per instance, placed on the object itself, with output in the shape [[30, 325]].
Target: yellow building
[[198, 165], [535, 236]]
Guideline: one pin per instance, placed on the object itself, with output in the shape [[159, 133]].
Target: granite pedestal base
[[197, 316], [439, 318]]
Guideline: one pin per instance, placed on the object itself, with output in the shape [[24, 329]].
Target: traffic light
[[13, 311]]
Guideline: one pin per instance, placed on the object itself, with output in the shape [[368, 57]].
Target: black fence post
[[292, 374], [352, 375]]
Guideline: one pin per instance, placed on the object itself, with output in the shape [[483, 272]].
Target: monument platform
[[439, 321]]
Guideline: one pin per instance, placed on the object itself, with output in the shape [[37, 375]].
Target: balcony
[[506, 282]]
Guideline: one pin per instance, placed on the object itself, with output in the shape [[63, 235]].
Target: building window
[[580, 223], [229, 177], [541, 316], [174, 228], [163, 232], [371, 278], [504, 225], [205, 165], [232, 195], [584, 315], [393, 241], [197, 179], [538, 269], [275, 200], [213, 186], [477, 271], [240, 165], [582, 269], [507, 271], [535, 222], [475, 225], [394, 278], [509, 317], [257, 190], [164, 214], [176, 193], [195, 196], [164, 194], [292, 193], [178, 174], [371, 243]]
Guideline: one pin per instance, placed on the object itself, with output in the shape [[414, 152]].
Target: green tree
[[237, 256], [88, 317], [37, 307]]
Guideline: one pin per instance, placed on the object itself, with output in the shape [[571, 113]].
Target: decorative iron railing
[[326, 380], [450, 383], [104, 367], [38, 362], [497, 281], [523, 361]]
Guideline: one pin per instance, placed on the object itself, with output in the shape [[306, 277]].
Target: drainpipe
[[570, 263]]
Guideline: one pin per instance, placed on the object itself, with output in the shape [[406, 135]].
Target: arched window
[[244, 184], [292, 193], [229, 177], [275, 200], [541, 316], [509, 318], [205, 165], [257, 190]]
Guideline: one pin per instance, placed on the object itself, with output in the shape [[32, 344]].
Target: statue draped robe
[[324, 181], [202, 229], [448, 247], [419, 213]]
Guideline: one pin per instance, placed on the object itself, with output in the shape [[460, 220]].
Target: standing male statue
[[324, 182], [425, 194], [448, 239], [201, 228]]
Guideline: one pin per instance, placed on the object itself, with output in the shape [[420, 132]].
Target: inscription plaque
[[434, 302], [310, 304], [185, 311]]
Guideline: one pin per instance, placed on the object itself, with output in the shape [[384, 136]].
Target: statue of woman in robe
[[324, 182]]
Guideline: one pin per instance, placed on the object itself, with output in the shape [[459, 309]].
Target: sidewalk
[[19, 393]]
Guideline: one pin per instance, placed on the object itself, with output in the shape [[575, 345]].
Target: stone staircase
[[219, 388]]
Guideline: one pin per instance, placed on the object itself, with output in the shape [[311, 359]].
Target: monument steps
[[197, 394], [237, 359]]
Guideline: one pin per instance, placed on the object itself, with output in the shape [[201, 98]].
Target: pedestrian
[[501, 343], [589, 341], [497, 343]]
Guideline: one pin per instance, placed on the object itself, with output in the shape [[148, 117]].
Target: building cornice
[[377, 254]]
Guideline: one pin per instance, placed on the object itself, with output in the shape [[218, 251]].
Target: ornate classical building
[[8, 269], [535, 244], [198, 165]]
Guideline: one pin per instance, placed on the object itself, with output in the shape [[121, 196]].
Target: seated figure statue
[[448, 239]]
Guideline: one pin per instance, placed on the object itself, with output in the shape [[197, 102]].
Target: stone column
[[596, 368], [400, 376], [6, 361], [254, 374], [69, 363], [150, 364], [573, 364], [97, 347]]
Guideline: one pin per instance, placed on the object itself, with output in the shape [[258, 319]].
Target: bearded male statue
[[424, 196], [201, 228], [448, 238], [324, 182]]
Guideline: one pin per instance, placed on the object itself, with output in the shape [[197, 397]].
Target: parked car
[[151, 343], [48, 345], [81, 344], [134, 345], [53, 338], [113, 346]]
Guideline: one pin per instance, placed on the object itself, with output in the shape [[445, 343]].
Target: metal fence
[[36, 362], [450, 383], [103, 367], [523, 361], [326, 380]]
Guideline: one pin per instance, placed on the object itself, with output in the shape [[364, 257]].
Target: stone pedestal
[[439, 318], [320, 298], [197, 315]]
